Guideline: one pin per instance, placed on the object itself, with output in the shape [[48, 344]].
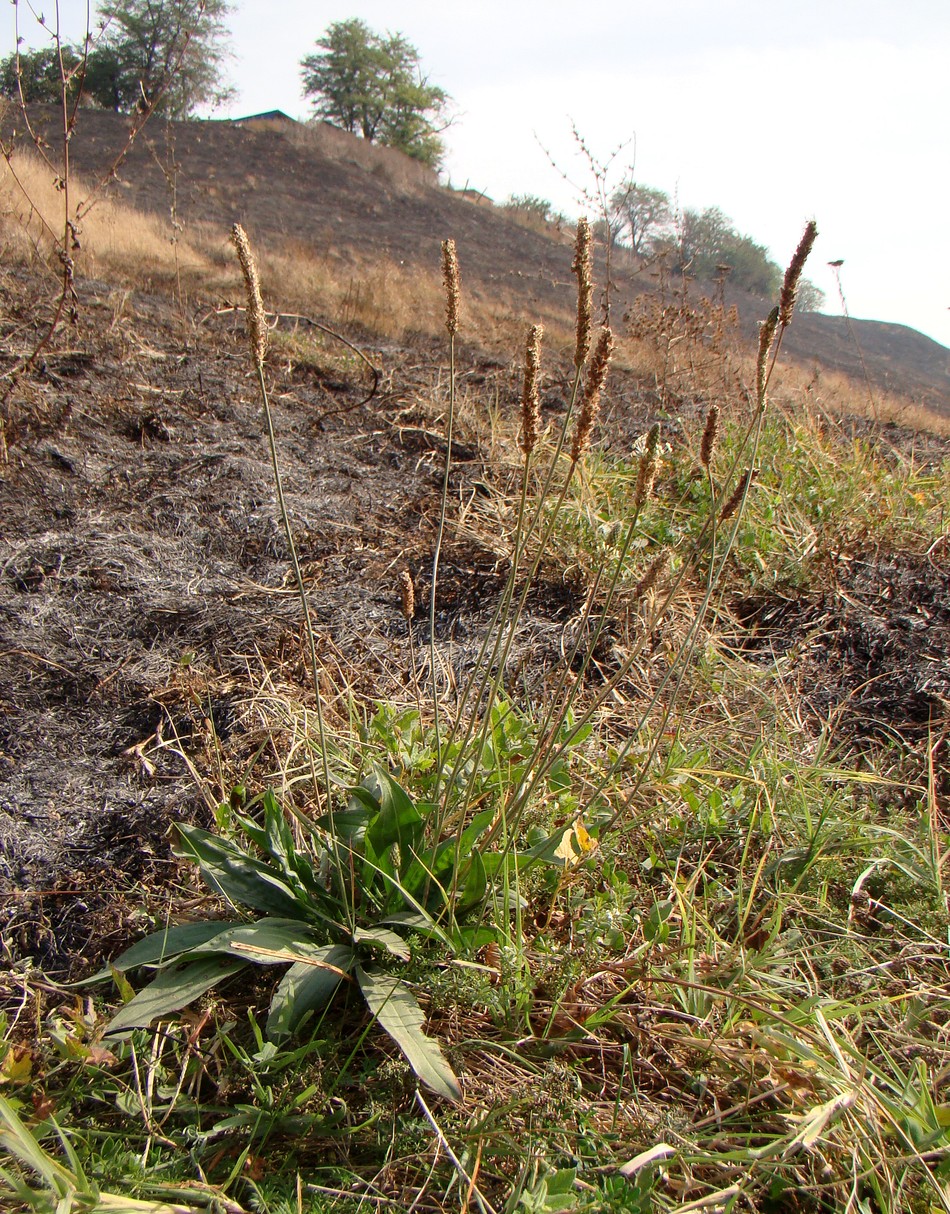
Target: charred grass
[[730, 993]]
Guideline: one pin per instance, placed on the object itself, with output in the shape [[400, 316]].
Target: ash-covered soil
[[146, 604]]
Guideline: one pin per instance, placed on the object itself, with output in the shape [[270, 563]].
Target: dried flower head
[[582, 268], [794, 273], [708, 444], [654, 571], [530, 397], [738, 494], [647, 471], [407, 594], [452, 284], [590, 409], [766, 337], [256, 318]]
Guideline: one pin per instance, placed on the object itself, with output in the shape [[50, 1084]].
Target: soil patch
[[873, 654]]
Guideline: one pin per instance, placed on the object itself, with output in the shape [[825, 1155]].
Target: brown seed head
[[654, 571], [766, 337], [794, 273], [256, 318], [596, 377], [737, 495], [709, 435], [530, 398], [647, 472], [581, 266], [452, 284], [407, 593]]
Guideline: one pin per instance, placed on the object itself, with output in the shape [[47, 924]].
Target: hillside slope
[[321, 189]]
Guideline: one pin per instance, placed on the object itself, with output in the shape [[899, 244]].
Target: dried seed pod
[[766, 337], [590, 407], [407, 593], [708, 444], [647, 471], [794, 272], [452, 283], [256, 318], [530, 397], [737, 495], [654, 571], [582, 268]]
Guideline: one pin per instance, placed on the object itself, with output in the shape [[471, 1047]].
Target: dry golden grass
[[401, 172], [110, 236]]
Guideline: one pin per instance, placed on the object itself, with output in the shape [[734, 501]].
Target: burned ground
[[145, 598]]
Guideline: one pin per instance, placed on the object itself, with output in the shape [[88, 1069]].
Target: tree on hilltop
[[38, 75], [642, 214], [166, 53], [372, 86]]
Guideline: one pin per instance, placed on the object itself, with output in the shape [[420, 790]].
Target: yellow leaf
[[16, 1066]]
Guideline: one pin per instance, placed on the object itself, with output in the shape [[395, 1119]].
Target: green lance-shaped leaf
[[244, 881], [173, 989], [161, 948], [397, 1011], [398, 820], [382, 938], [307, 986]]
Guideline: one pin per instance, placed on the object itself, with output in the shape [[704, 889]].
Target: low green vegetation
[[628, 931]]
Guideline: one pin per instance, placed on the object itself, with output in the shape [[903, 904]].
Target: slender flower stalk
[[794, 272], [257, 338], [407, 595], [646, 474], [707, 446], [582, 268], [256, 317], [452, 284], [766, 337], [594, 386], [530, 396], [738, 495], [652, 575]]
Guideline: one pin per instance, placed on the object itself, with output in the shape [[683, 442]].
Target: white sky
[[775, 112]]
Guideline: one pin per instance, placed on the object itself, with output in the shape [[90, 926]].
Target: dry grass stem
[[794, 272], [708, 444], [581, 266], [590, 409], [452, 284], [256, 318], [530, 397]]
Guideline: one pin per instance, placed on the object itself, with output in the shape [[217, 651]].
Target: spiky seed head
[[738, 494], [708, 444], [256, 317], [590, 408], [654, 571], [646, 474], [582, 268], [407, 593], [530, 395], [766, 337], [452, 283], [794, 273]]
